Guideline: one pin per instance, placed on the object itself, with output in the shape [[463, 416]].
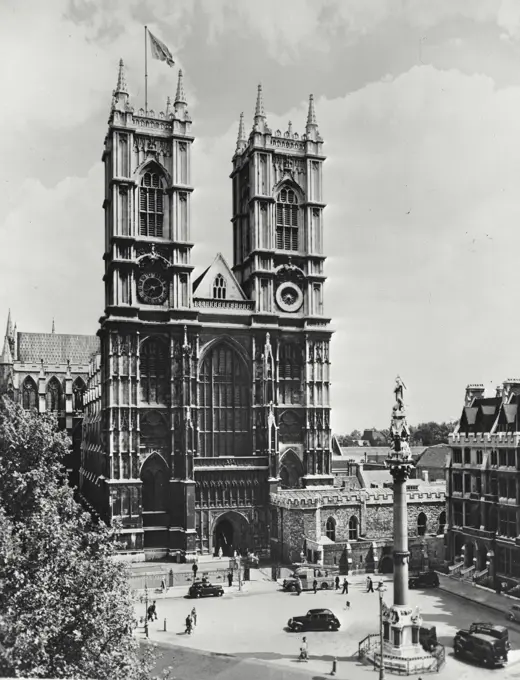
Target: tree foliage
[[431, 433], [65, 605]]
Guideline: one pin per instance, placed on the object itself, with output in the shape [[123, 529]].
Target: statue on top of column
[[399, 431]]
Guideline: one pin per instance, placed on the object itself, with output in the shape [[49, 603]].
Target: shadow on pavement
[[273, 656]]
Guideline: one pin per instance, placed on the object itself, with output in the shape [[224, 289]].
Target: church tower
[[279, 262], [138, 444]]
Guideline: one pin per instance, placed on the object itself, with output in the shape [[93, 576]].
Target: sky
[[419, 106]]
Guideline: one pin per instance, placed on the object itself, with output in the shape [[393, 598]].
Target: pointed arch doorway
[[231, 532]]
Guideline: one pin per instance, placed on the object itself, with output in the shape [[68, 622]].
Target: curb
[[494, 608]]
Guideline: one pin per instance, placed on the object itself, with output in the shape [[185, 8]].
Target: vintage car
[[514, 613], [205, 589], [499, 632], [484, 649], [305, 577], [314, 619], [425, 579]]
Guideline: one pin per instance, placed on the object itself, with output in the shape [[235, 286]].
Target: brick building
[[483, 490]]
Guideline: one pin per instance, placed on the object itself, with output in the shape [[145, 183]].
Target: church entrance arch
[[386, 566], [231, 532]]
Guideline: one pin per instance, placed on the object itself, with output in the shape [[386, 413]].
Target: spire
[[121, 79], [311, 115], [168, 106], [9, 333], [53, 329], [259, 109], [6, 357], [180, 96], [241, 139], [290, 130]]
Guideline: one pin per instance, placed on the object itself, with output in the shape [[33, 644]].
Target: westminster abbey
[[198, 399]]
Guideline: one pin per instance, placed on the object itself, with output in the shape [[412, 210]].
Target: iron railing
[[369, 649]]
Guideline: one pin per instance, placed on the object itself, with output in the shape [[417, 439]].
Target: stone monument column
[[400, 474]]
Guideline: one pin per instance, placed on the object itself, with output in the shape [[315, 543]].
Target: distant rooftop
[[56, 348]]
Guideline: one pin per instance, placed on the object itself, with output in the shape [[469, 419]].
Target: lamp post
[[146, 609], [239, 573], [381, 589]]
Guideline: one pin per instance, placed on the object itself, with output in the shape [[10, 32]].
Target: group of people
[[191, 621]]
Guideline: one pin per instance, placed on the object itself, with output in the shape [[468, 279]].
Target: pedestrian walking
[[154, 610], [230, 578], [188, 625], [298, 586], [336, 581], [194, 616], [195, 568], [347, 605], [220, 553], [163, 585], [315, 586], [304, 650], [370, 585], [345, 587]]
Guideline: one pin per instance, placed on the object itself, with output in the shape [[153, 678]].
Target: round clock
[[152, 288], [289, 297]]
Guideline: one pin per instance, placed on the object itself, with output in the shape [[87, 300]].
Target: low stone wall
[[152, 580]]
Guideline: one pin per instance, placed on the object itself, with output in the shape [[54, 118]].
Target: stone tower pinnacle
[[9, 333], [120, 95], [180, 96], [241, 139], [311, 115], [259, 109]]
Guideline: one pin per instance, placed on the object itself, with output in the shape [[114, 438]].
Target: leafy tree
[[65, 604], [431, 433]]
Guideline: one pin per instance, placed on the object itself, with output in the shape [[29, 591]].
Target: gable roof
[[56, 348], [203, 285], [434, 456]]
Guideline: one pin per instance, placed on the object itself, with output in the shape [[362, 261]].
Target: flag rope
[[146, 70]]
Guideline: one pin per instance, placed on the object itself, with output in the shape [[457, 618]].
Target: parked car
[[425, 579], [324, 577], [428, 638], [514, 613], [484, 649], [314, 619], [499, 632], [205, 589]]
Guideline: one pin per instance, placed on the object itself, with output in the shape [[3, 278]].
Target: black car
[[200, 589], [498, 632], [484, 649], [314, 619], [425, 579]]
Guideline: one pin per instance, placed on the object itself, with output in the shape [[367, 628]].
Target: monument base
[[403, 653]]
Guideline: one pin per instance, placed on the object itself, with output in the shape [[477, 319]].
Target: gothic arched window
[[287, 220], [155, 434], [154, 374], [353, 528], [330, 529], [78, 392], [29, 394], [442, 523], [290, 373], [224, 401], [154, 477], [219, 287], [53, 396], [151, 205], [421, 524]]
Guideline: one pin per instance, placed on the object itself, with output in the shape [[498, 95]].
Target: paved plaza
[[250, 626]]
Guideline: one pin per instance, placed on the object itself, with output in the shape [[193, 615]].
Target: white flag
[[160, 51]]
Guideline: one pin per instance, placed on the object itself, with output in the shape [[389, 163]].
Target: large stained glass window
[[224, 400]]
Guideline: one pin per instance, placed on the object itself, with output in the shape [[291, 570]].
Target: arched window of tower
[[290, 428], [290, 373], [353, 528], [421, 524], [151, 205], [78, 391], [154, 374], [224, 399], [287, 220], [330, 529], [29, 394], [219, 287]]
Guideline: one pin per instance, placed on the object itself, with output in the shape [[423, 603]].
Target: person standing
[[230, 578], [220, 553], [195, 568], [370, 585], [345, 587], [298, 586], [194, 616], [304, 650], [315, 586], [188, 625], [336, 581]]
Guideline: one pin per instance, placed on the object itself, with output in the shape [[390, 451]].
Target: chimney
[[425, 475], [511, 387], [473, 391]]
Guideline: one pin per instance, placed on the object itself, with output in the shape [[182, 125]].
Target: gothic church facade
[[206, 396]]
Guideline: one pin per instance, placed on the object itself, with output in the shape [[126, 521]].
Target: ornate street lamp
[[381, 588]]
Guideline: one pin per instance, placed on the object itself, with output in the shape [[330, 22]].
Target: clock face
[[152, 288], [289, 297]]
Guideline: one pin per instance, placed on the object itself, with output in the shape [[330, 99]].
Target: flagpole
[[146, 70]]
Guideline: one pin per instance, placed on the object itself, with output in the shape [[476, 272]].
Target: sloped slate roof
[[434, 456], [56, 348]]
